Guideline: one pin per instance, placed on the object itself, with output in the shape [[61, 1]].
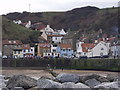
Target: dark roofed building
[[9, 45]]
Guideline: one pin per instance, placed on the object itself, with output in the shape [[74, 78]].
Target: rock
[[34, 88], [81, 85], [108, 85], [86, 77], [92, 82], [69, 85], [2, 83], [73, 85], [21, 81], [46, 83], [103, 79], [18, 88], [67, 78], [112, 77], [5, 88]]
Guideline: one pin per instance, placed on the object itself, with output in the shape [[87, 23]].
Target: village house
[[9, 45], [27, 50], [102, 49], [115, 50], [44, 49], [65, 50], [55, 38], [82, 49], [17, 53], [54, 52]]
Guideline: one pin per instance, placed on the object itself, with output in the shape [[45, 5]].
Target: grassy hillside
[[14, 31], [86, 20]]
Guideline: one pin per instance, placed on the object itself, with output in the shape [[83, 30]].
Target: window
[[28, 50], [63, 49], [102, 48], [24, 50], [14, 52], [69, 49], [56, 38], [5, 45], [54, 45], [18, 52], [14, 41], [9, 41], [18, 46], [54, 50], [101, 54]]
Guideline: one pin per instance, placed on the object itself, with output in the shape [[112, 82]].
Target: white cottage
[[100, 50]]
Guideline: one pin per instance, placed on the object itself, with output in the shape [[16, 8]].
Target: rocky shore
[[61, 81]]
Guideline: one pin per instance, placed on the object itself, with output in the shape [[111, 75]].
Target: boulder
[[21, 81], [112, 77], [5, 88], [2, 83], [92, 82], [18, 88], [73, 86], [46, 83], [87, 77], [67, 78], [108, 85], [81, 85], [103, 79]]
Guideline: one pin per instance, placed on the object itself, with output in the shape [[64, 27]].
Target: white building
[[48, 30], [82, 49], [54, 52], [28, 25], [115, 51], [57, 38], [62, 32], [28, 51], [100, 50], [17, 22]]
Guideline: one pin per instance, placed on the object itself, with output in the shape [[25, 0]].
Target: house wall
[[7, 50], [31, 50], [79, 47], [57, 39], [41, 51], [17, 54], [115, 50], [65, 52], [99, 50]]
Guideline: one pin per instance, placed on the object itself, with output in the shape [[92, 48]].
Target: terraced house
[[8, 46]]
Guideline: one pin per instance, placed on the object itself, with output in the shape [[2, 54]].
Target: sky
[[9, 6]]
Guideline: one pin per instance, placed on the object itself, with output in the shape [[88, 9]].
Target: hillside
[[14, 31], [87, 21]]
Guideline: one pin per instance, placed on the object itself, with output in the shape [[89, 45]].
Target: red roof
[[65, 45], [86, 46], [11, 42], [44, 45]]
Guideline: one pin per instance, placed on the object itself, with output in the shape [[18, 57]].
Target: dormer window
[[14, 41], [9, 41]]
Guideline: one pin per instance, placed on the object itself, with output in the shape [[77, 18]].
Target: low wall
[[92, 64]]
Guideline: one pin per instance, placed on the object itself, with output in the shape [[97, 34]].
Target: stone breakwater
[[61, 81]]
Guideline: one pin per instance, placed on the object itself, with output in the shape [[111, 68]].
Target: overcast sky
[[7, 6]]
